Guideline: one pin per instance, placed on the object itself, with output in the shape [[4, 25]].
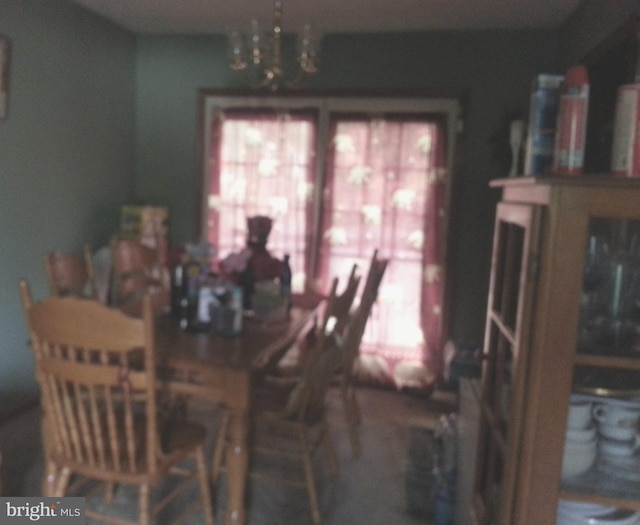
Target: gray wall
[[491, 71], [66, 155]]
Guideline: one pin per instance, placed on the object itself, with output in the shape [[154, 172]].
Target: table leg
[[237, 460]]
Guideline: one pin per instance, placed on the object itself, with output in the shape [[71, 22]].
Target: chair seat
[[276, 399], [184, 438], [271, 392], [181, 439]]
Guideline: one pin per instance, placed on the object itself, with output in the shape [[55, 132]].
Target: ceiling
[[329, 16]]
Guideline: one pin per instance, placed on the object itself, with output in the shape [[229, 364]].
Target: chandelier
[[264, 53]]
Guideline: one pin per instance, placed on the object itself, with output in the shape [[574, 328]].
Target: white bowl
[[579, 508], [579, 414], [576, 513], [619, 449], [616, 517], [618, 432], [578, 458], [582, 435]]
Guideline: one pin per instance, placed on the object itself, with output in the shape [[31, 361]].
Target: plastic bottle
[[236, 306], [568, 156]]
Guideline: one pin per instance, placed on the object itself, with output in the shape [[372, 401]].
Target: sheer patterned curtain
[[385, 190], [263, 164]]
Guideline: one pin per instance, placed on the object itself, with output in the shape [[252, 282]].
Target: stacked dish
[[580, 442], [619, 437], [576, 513]]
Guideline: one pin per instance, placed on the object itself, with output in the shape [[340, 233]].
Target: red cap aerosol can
[[571, 131]]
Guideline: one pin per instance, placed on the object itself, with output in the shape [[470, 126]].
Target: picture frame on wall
[[4, 76]]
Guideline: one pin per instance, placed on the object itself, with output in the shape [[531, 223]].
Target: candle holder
[[516, 139]]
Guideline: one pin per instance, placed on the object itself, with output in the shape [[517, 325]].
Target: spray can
[[625, 154], [543, 118], [568, 155]]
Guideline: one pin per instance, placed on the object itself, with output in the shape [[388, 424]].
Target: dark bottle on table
[[177, 290], [285, 280], [188, 306]]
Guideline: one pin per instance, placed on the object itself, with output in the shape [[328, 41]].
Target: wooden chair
[[335, 312], [137, 269], [340, 308], [97, 374], [71, 275], [348, 340], [295, 412]]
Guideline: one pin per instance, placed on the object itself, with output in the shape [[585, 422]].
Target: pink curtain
[[263, 164], [385, 190]]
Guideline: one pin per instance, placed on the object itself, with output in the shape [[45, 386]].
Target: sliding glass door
[[340, 185], [385, 190]]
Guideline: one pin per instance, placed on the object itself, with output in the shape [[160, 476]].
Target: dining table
[[219, 369]]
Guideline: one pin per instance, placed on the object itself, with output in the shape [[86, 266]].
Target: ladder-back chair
[[137, 270], [294, 413], [97, 373], [333, 309], [349, 340], [68, 274], [341, 306]]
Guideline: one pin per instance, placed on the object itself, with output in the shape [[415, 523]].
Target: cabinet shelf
[[603, 361], [601, 488]]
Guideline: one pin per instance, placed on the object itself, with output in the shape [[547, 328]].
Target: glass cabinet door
[[609, 307], [513, 265], [601, 459]]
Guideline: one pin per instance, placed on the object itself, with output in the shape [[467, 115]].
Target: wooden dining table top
[[259, 344], [220, 369]]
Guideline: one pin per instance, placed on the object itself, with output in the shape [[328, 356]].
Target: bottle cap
[[576, 75]]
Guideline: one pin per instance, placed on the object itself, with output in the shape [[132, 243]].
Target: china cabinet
[[562, 324]]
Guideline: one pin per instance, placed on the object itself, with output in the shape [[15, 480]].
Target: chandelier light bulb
[[307, 52], [256, 39], [237, 53]]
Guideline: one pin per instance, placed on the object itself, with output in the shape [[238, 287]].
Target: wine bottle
[[285, 280]]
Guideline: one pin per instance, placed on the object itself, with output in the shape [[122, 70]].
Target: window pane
[[265, 168], [379, 184]]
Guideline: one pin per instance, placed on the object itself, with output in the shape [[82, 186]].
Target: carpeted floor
[[388, 484]]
